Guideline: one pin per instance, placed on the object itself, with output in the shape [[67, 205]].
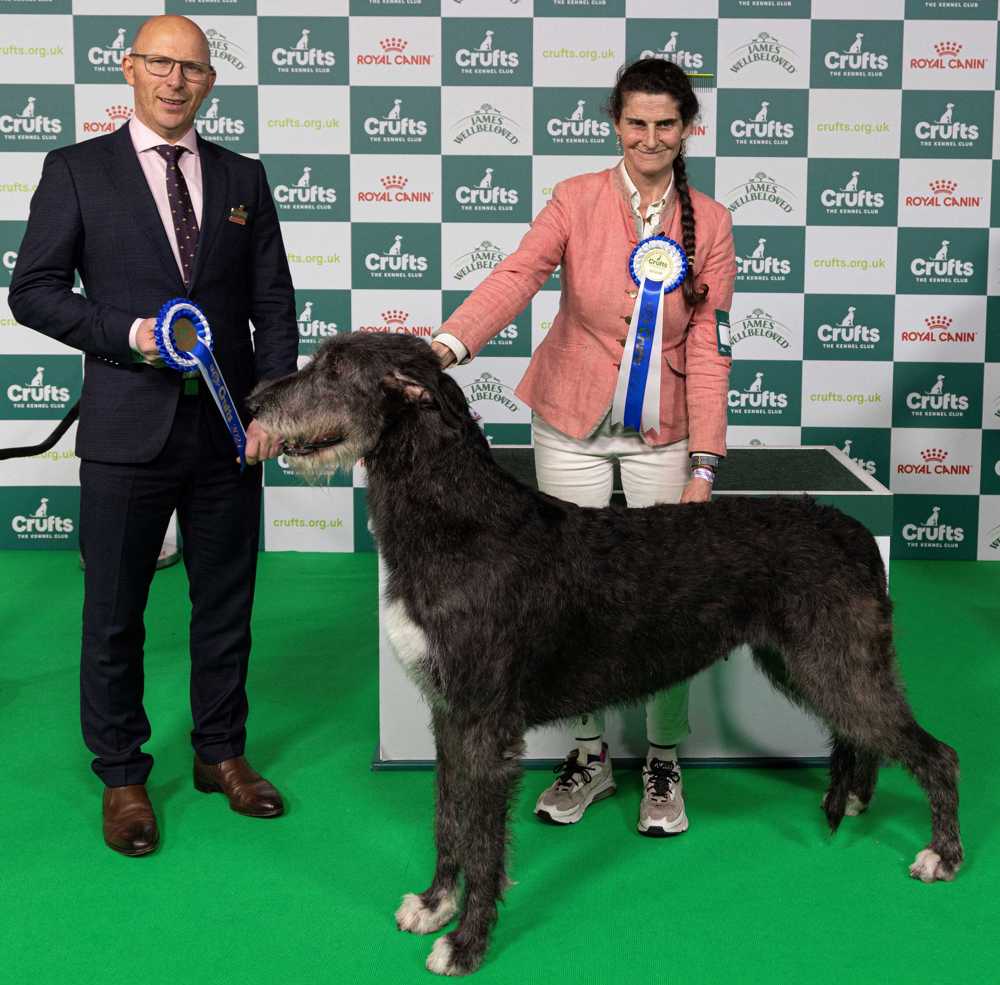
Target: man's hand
[[260, 444], [697, 491], [146, 343], [443, 353]]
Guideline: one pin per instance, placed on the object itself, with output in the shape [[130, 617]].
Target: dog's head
[[337, 407]]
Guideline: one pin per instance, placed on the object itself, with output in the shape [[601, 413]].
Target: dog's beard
[[316, 467]]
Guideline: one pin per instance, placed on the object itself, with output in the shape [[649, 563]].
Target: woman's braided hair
[[658, 76]]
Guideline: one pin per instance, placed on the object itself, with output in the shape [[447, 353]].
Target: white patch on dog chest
[[406, 637]]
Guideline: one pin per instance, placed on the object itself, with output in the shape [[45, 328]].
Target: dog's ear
[[407, 388]]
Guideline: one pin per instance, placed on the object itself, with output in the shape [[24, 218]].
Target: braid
[[691, 296]]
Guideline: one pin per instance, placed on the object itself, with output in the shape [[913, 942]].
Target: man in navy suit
[[146, 214]]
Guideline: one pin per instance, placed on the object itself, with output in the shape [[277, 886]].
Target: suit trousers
[[124, 511], [581, 472]]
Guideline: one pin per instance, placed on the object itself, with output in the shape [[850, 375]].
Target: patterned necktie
[[185, 223]]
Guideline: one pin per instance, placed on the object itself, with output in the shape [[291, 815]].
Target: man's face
[[167, 105]]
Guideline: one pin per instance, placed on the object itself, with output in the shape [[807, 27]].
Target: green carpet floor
[[756, 890]]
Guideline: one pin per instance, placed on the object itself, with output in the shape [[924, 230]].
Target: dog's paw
[[854, 806], [928, 866], [415, 917], [446, 959]]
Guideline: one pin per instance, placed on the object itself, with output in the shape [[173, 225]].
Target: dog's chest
[[407, 639]]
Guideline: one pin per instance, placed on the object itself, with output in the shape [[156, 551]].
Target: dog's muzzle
[[301, 449]]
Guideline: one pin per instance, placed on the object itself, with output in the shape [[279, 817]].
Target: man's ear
[[407, 388]]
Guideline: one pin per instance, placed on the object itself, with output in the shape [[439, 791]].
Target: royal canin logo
[[943, 196], [394, 322], [115, 116], [933, 454], [933, 462], [946, 57], [937, 328], [393, 189], [392, 51]]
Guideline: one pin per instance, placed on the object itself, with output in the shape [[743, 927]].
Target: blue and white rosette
[[658, 265], [199, 357]]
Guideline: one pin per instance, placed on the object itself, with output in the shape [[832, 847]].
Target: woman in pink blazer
[[590, 227]]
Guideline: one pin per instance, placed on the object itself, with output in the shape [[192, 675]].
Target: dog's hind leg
[[858, 695], [486, 773], [853, 772], [426, 912]]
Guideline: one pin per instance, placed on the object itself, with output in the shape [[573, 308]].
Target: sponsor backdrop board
[[409, 144]]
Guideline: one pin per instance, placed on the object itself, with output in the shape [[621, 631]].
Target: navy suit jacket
[[93, 212]]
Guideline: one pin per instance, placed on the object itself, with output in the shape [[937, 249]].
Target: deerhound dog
[[513, 609]]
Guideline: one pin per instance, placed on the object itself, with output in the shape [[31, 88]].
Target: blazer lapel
[[214, 185], [127, 176]]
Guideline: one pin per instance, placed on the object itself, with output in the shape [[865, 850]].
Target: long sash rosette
[[184, 340], [658, 265]]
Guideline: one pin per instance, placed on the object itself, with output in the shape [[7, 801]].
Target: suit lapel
[[127, 176], [214, 184]]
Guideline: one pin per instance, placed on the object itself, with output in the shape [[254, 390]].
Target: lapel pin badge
[[238, 214]]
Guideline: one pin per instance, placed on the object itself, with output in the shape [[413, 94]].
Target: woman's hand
[[697, 491], [443, 353]]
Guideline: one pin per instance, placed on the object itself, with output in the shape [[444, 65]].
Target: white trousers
[[581, 472]]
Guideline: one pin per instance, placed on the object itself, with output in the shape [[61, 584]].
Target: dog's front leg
[[485, 774], [423, 913]]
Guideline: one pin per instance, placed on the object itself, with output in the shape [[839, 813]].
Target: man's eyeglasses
[[162, 66]]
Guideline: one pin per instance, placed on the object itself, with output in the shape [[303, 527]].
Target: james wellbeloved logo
[[761, 188], [477, 51], [486, 120], [769, 258], [229, 117], [934, 261], [397, 321], [764, 48], [36, 117], [760, 325], [483, 189], [767, 122], [947, 124], [39, 517], [845, 327], [39, 387], [850, 193], [398, 255], [224, 49], [765, 392], [313, 187], [490, 389], [302, 51], [691, 44], [929, 395], [857, 54], [485, 256], [392, 120]]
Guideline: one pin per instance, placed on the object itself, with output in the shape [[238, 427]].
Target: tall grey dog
[[513, 609]]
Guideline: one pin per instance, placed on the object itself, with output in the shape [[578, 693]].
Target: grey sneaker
[[579, 785], [661, 812]]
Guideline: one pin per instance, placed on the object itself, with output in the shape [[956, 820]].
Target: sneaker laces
[[573, 773], [661, 777]]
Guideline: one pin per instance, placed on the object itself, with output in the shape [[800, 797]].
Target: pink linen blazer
[[588, 227]]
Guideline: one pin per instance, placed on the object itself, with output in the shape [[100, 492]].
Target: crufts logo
[[937, 401], [941, 265], [674, 51], [214, 123], [311, 327], [488, 58], [760, 264], [577, 126], [855, 60], [302, 57], [29, 123], [37, 393], [868, 464], [395, 126], [762, 128], [305, 193], [41, 525], [933, 532], [109, 58], [485, 194], [757, 399], [848, 332], [852, 196], [396, 262], [947, 130]]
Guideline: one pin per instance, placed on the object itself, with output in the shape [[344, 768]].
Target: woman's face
[[651, 131]]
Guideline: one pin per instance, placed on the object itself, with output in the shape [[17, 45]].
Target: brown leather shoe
[[248, 792], [129, 821]]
